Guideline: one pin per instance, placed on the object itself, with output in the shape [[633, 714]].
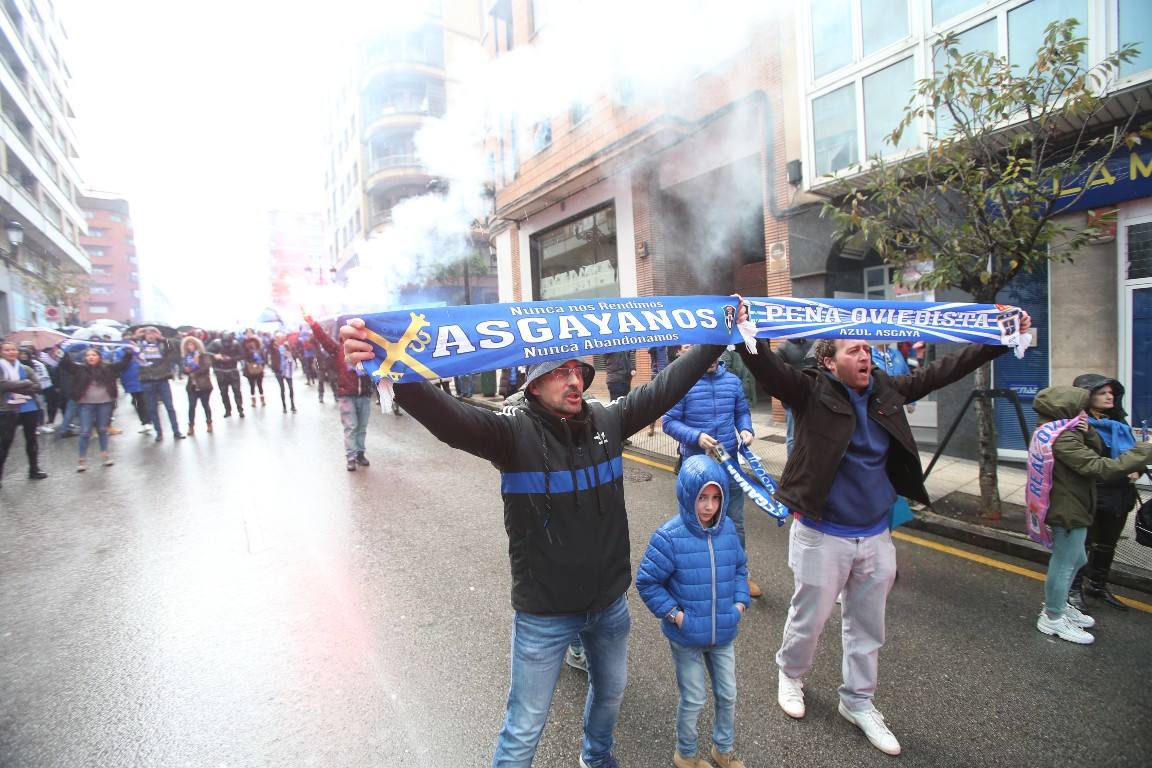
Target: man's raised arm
[[475, 430]]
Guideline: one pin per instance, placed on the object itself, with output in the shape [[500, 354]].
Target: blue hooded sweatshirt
[[701, 571]]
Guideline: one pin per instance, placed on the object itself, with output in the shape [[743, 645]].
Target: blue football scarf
[[760, 498], [442, 342]]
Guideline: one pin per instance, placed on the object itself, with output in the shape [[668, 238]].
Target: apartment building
[[109, 242], [397, 81], [683, 189], [39, 184], [858, 61]]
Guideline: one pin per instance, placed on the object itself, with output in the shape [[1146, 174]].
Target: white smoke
[[639, 53]]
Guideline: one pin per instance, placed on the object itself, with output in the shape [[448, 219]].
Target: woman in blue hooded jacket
[[694, 577]]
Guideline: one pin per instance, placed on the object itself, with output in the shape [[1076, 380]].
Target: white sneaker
[[1078, 617], [46, 430], [790, 695], [1064, 629], [146, 429], [872, 723]]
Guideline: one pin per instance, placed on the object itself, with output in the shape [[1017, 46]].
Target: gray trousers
[[823, 566]]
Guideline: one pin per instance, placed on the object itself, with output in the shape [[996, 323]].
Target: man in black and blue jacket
[[561, 476]]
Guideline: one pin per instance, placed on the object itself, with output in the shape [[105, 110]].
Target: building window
[[834, 130], [885, 96], [114, 217], [838, 42], [831, 35], [943, 10], [98, 269], [1139, 251], [539, 14], [1026, 27], [97, 289], [96, 232], [577, 259], [541, 136], [98, 309], [578, 112], [95, 252], [882, 22], [1135, 19]]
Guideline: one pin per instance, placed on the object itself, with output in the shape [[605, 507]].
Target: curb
[[1005, 542]]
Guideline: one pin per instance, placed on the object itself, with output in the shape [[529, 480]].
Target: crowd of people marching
[[72, 389]]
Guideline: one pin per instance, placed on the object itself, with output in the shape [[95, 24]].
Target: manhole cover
[[636, 475]]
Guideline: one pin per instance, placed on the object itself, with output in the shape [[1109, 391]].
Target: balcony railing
[[388, 162]]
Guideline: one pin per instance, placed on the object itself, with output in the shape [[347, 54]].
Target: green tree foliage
[[981, 202]]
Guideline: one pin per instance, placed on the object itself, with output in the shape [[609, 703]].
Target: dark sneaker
[[37, 474], [159, 437], [351, 465], [179, 436], [362, 460]]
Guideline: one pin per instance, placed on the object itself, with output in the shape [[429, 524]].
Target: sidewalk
[[951, 486]]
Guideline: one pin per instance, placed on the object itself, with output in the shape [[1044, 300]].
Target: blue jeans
[[156, 392], [736, 509], [1068, 556], [691, 665], [354, 413], [70, 409], [97, 415], [539, 643]]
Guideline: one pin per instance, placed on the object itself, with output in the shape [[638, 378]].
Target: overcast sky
[[204, 116]]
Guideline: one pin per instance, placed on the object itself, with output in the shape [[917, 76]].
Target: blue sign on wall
[[1126, 176]]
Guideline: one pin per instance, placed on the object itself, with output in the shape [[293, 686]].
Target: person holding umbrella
[[18, 408]]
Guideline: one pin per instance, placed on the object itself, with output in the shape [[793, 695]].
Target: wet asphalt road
[[240, 599]]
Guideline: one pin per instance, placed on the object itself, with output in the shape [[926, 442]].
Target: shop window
[[577, 259], [1139, 251], [834, 130]]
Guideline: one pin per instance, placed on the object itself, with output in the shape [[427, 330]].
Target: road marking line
[[993, 563], [902, 536]]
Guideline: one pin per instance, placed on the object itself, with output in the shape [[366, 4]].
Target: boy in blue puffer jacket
[[694, 577]]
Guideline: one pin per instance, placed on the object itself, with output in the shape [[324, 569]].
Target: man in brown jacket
[[854, 453]]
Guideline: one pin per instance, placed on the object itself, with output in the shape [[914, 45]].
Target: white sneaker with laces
[[1064, 629], [1078, 617], [790, 695], [871, 722]]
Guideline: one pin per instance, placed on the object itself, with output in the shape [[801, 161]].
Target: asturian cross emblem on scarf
[[601, 438], [415, 338]]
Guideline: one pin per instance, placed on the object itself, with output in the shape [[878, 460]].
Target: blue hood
[[695, 473]]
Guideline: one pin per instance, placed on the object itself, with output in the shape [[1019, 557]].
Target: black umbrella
[[186, 329], [165, 330]]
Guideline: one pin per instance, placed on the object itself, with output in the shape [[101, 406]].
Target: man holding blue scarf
[[561, 477], [1114, 500], [854, 453]]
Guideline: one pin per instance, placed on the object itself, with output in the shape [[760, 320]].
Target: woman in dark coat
[[95, 389], [197, 364], [1114, 498], [254, 361]]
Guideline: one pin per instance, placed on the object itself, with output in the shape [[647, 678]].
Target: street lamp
[[15, 233]]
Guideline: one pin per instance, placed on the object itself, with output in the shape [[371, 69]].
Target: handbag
[[253, 370], [1144, 521]]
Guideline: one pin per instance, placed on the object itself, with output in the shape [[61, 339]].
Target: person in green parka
[[1080, 459]]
